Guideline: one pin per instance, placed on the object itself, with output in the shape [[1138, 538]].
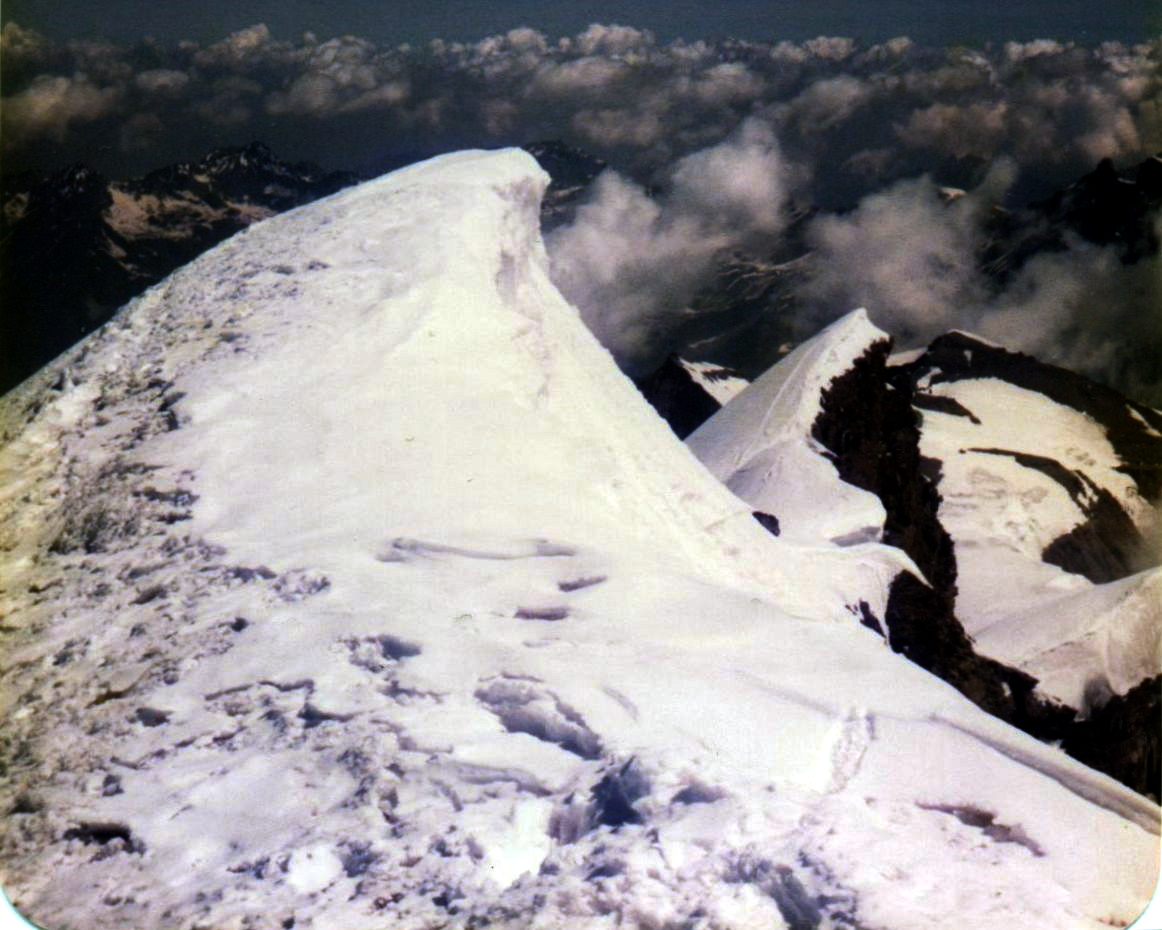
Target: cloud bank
[[862, 115], [912, 259]]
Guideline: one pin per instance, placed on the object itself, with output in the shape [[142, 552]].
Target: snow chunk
[[720, 383]]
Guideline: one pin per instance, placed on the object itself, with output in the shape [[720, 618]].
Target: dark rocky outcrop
[[57, 273], [1108, 545], [1103, 548], [770, 523], [872, 436], [868, 426], [677, 397], [616, 793], [1121, 738], [923, 627], [1107, 207], [1134, 430], [940, 404]]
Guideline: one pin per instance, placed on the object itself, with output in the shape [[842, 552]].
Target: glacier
[[347, 582], [1005, 507]]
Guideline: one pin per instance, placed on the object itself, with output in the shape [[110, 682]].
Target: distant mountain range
[[751, 310], [1106, 207], [76, 245]]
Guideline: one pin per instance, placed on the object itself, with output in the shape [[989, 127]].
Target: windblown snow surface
[[347, 584]]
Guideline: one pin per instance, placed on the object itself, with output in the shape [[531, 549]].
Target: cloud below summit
[[913, 260], [632, 263]]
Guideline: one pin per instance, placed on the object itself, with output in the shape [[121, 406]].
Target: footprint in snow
[[405, 548]]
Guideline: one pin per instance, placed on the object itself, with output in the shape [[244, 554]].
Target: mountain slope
[[359, 588], [1046, 481]]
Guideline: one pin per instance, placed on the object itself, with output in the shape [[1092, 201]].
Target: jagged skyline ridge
[[874, 128]]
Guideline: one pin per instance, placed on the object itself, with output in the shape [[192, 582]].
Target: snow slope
[[720, 383], [996, 506], [1087, 645], [346, 583]]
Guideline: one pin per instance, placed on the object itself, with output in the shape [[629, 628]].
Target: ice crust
[[440, 622]]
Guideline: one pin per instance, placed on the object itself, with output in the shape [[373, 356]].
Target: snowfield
[[348, 584], [1017, 472]]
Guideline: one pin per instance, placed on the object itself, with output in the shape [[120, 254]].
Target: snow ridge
[[361, 587], [760, 444]]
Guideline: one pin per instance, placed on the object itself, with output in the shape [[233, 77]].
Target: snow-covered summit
[[359, 588]]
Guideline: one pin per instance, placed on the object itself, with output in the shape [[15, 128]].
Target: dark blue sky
[[931, 22]]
